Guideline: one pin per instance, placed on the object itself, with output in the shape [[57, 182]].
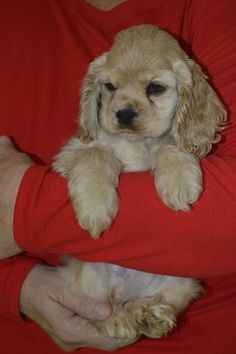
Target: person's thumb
[[88, 307]]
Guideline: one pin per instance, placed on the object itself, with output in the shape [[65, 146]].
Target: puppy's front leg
[[178, 176], [92, 182]]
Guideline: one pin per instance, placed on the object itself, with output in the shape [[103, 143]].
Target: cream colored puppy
[[143, 303], [144, 105]]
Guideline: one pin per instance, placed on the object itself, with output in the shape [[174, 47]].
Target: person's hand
[[13, 165], [46, 299]]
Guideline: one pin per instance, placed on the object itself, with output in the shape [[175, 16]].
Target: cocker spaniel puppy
[[144, 105], [144, 304]]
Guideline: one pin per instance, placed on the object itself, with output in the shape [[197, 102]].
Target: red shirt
[[45, 50]]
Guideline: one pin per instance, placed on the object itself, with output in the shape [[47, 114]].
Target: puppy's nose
[[126, 116]]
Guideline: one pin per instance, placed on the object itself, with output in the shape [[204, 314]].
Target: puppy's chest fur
[[135, 153]]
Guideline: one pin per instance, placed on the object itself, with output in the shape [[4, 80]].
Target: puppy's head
[[146, 85]]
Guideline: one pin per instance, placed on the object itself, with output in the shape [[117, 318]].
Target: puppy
[[144, 105], [144, 304]]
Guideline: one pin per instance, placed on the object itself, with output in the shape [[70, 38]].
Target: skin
[[105, 5], [13, 166], [43, 297], [64, 316]]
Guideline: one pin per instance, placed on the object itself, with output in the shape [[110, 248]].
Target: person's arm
[[42, 294], [13, 166], [12, 274], [146, 234]]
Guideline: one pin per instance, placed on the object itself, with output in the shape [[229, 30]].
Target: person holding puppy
[[46, 49]]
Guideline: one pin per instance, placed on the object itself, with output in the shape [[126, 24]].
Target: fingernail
[[4, 140], [102, 310]]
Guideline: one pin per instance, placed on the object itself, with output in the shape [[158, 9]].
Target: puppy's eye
[[110, 87], [155, 89]]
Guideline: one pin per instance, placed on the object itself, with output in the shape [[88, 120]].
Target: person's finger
[[5, 146], [4, 140], [83, 334], [87, 307], [100, 342]]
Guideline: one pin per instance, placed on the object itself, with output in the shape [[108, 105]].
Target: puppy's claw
[[95, 229], [95, 235], [155, 320], [181, 197], [119, 325], [179, 190], [96, 212]]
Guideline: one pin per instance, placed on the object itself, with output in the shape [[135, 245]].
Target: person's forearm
[[13, 271], [146, 235], [12, 168]]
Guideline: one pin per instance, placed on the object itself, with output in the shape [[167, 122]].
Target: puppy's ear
[[90, 102], [200, 115]]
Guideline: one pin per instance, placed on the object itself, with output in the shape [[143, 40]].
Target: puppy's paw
[[181, 185], [154, 319], [65, 160], [119, 325], [95, 207]]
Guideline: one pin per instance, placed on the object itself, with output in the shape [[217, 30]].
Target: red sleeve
[[146, 234], [12, 274]]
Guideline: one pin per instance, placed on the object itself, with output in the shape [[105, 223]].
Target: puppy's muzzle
[[126, 117]]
